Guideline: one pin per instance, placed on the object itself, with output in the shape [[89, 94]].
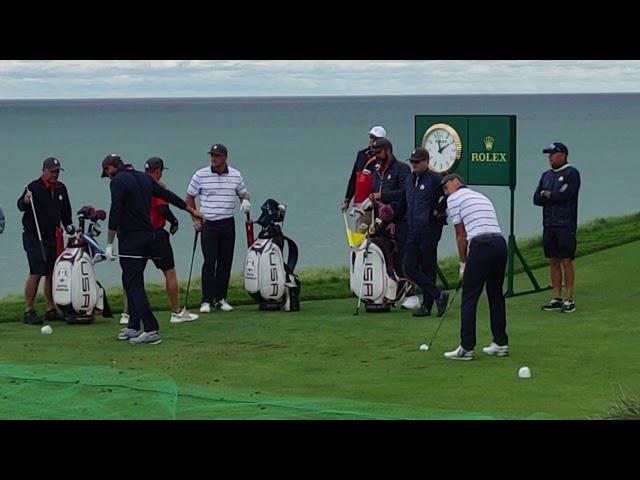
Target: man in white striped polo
[[217, 187], [483, 259]]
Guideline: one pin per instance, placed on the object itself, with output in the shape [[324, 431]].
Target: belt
[[487, 236], [222, 220]]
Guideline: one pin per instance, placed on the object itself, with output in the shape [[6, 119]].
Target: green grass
[[323, 362], [321, 284]]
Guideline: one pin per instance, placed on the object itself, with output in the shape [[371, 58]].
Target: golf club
[[35, 217], [249, 231], [135, 257], [453, 297], [364, 261], [195, 243]]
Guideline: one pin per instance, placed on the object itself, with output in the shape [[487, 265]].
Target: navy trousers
[[218, 242], [420, 263], [486, 264], [137, 243]]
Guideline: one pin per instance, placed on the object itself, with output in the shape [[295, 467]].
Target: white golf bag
[[76, 291], [268, 279], [370, 280]]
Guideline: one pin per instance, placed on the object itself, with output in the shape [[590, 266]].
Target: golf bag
[[76, 291], [268, 279], [372, 276]]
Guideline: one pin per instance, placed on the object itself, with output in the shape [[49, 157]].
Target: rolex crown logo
[[488, 142]]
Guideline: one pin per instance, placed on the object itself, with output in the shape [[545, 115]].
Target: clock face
[[444, 146]]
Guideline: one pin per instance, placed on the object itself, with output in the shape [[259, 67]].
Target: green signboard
[[480, 148]]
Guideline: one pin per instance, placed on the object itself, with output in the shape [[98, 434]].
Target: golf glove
[[245, 206], [109, 252], [70, 229], [462, 265], [344, 206]]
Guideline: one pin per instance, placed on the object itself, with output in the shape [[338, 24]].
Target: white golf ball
[[524, 372], [424, 346], [46, 330]]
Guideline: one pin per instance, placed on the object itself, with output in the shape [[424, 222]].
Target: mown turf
[[321, 284], [323, 362]]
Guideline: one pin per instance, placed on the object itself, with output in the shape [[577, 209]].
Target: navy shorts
[[559, 242], [37, 265], [161, 247]]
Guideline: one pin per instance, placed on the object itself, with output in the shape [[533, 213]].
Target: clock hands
[[441, 148]]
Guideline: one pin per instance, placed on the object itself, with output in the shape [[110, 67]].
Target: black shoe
[[422, 312], [569, 306], [555, 304], [53, 316], [31, 318], [442, 302]]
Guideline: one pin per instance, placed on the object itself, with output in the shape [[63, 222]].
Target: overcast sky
[[221, 78]]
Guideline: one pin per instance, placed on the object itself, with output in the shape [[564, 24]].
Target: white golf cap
[[378, 131]]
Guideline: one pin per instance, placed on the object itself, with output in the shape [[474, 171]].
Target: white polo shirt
[[217, 192], [474, 210]]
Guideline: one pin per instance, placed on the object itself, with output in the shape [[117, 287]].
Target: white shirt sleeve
[[453, 210], [194, 185], [240, 188]]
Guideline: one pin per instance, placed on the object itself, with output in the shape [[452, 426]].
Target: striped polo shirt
[[217, 192], [474, 210]]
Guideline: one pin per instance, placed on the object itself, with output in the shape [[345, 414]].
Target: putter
[[35, 217], [195, 244], [453, 297]]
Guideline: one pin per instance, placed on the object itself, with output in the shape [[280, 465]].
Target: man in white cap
[[362, 158]]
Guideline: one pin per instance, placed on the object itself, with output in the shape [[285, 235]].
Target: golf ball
[[46, 330], [424, 346], [524, 372]]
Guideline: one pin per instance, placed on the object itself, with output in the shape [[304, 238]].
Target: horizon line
[[234, 97]]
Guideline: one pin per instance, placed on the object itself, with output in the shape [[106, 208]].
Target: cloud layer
[[214, 78]]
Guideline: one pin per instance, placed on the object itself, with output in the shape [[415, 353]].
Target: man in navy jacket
[[557, 194], [131, 193]]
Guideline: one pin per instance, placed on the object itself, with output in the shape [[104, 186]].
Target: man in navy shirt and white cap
[[557, 194]]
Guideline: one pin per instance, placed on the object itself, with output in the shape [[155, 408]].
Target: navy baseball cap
[[418, 155], [111, 159], [51, 163], [218, 148], [556, 147], [451, 176], [381, 143], [155, 163]]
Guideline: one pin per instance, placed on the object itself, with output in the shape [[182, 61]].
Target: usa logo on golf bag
[[369, 275]]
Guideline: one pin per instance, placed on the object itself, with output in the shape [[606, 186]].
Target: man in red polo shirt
[[162, 251]]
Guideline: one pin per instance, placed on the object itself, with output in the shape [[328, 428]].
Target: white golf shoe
[[183, 316], [124, 319], [459, 354], [205, 307], [496, 350], [151, 338], [224, 306], [128, 333]]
